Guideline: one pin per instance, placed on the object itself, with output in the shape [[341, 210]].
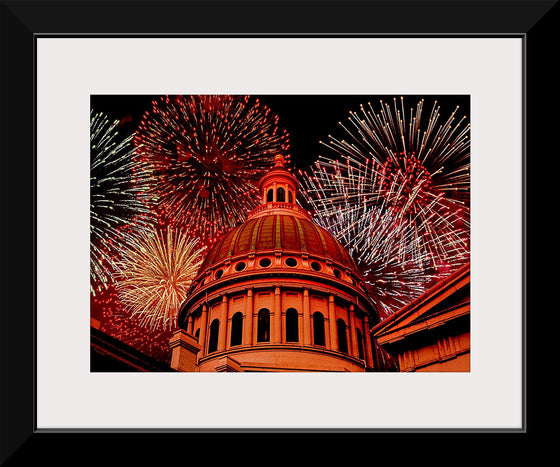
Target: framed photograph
[[255, 218]]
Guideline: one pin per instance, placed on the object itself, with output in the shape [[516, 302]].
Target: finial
[[279, 160]]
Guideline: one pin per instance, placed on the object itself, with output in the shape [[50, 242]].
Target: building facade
[[277, 293]]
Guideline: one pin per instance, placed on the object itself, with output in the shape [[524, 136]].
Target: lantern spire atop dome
[[279, 190], [279, 161]]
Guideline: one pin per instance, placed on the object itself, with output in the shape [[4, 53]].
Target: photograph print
[[280, 233]]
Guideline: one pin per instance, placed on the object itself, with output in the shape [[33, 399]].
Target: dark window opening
[[292, 334], [270, 195], [342, 341], [196, 334], [315, 266], [263, 326], [265, 262], [360, 344], [280, 195], [291, 262], [236, 329], [290, 197], [214, 331], [318, 329], [240, 266]]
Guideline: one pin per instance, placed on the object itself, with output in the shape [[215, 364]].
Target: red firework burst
[[204, 156]]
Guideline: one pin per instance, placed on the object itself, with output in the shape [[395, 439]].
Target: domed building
[[277, 293]]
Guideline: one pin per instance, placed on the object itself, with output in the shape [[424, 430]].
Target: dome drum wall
[[290, 268], [282, 263], [295, 297], [269, 325]]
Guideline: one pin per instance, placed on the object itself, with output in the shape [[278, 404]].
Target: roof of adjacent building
[[446, 300]]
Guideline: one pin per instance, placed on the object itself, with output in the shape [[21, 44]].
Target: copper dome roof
[[278, 224], [278, 232]]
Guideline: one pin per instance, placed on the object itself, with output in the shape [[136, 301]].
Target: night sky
[[307, 118]]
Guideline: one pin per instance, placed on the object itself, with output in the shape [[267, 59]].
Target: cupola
[[279, 185]]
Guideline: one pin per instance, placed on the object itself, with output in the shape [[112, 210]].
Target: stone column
[[367, 344], [306, 319], [247, 340], [203, 327], [354, 351], [223, 324], [255, 324], [277, 328], [333, 345], [190, 324]]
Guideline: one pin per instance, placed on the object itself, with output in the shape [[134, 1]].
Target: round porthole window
[[240, 266], [315, 266], [336, 273], [219, 273], [265, 262], [291, 262]]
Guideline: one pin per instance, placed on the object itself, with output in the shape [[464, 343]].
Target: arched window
[[318, 328], [214, 331], [342, 341], [280, 195], [263, 326], [360, 344], [269, 195], [292, 334], [236, 328], [290, 197], [196, 334]]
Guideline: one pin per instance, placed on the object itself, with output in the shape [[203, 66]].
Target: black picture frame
[[22, 22]]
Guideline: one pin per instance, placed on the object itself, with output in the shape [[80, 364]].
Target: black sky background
[[307, 118]]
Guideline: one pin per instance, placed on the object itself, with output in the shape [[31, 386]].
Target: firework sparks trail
[[154, 275], [114, 197], [211, 151], [115, 321], [396, 195]]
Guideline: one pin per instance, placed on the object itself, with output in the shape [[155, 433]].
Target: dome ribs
[[290, 239], [245, 238], [266, 234], [255, 233], [224, 248], [275, 232], [300, 234], [326, 249], [312, 239], [278, 230], [233, 242]]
